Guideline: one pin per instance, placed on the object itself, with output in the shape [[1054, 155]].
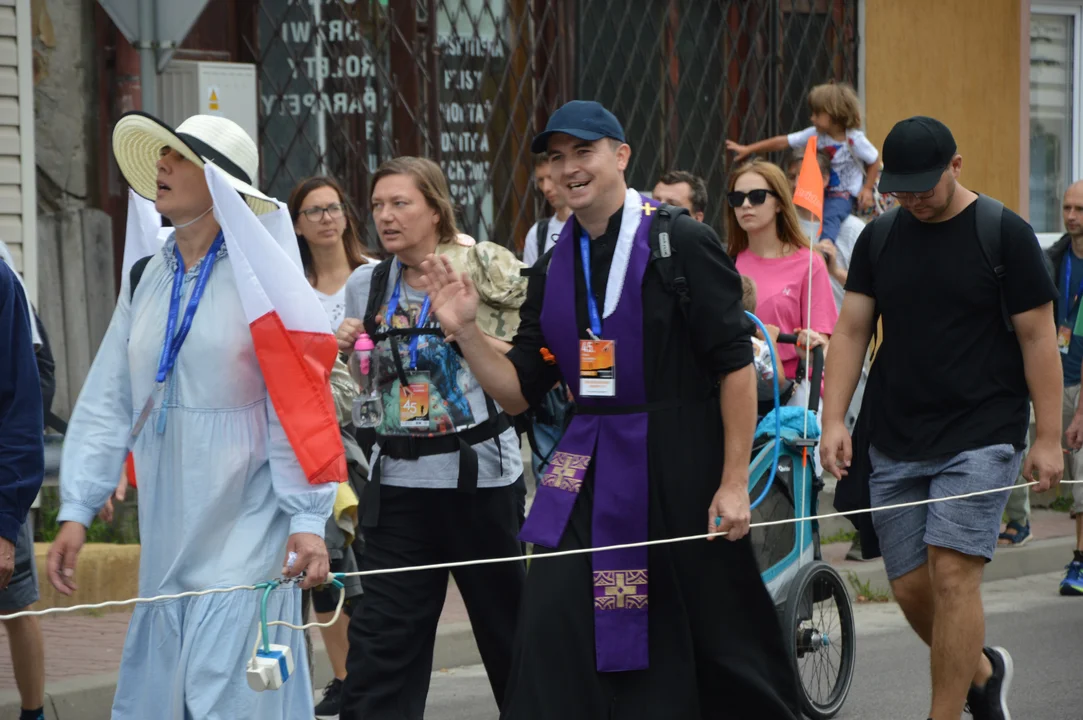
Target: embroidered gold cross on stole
[[566, 471], [648, 209], [627, 589]]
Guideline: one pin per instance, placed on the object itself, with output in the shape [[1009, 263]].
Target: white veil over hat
[[143, 234]]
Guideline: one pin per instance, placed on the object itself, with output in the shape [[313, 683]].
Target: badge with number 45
[[414, 405], [598, 368]]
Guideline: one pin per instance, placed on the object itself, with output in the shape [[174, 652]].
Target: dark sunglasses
[[757, 197]]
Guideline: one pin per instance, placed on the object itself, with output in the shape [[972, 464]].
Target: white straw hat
[[138, 139]]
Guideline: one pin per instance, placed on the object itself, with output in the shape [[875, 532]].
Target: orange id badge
[[414, 403], [1064, 339], [598, 368]]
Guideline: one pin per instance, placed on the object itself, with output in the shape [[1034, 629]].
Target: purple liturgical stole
[[615, 444]]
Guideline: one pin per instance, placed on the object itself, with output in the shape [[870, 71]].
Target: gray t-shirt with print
[[499, 460]]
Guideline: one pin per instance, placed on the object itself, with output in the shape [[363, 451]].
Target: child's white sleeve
[[800, 138], [862, 149]]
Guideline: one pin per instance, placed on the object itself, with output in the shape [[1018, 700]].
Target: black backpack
[[542, 235], [46, 374], [662, 252], [990, 213], [136, 273]]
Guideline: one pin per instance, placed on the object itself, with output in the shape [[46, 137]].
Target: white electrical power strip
[[270, 669]]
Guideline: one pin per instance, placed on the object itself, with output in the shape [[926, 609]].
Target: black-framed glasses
[[909, 196], [758, 196], [315, 214]]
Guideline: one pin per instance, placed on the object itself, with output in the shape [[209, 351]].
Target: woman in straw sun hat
[[228, 489]]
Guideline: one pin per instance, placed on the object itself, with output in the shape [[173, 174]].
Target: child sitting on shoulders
[[836, 123]]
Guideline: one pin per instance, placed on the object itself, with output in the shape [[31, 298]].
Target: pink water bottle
[[368, 406], [361, 360]]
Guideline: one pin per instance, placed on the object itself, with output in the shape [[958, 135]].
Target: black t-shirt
[[720, 340], [949, 374]]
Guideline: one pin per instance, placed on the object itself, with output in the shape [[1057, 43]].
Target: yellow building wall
[[959, 61]]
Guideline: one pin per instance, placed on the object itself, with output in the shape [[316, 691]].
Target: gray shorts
[[969, 526], [22, 590]]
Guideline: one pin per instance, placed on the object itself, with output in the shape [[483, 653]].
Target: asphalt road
[[1043, 631]]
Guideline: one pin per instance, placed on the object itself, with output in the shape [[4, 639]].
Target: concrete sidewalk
[[83, 651]]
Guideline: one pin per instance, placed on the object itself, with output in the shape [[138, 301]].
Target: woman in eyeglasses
[[331, 249], [767, 245]]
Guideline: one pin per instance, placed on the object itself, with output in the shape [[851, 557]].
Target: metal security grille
[[346, 84]]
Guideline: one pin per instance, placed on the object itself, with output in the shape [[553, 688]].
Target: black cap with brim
[[916, 153], [582, 119]]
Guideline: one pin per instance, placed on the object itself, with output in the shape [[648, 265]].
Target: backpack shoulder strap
[[542, 235], [990, 212], [662, 250], [881, 229], [540, 268], [136, 273], [377, 289]]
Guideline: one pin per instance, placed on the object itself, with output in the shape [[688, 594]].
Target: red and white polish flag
[[293, 344]]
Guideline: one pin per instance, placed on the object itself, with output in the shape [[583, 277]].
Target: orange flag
[[810, 184]]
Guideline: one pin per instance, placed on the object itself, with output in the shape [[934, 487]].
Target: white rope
[[708, 536], [130, 601], [520, 558]]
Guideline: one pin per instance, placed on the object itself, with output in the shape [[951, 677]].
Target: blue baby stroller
[[811, 598]]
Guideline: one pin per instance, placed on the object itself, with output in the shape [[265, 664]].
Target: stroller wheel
[[821, 641]]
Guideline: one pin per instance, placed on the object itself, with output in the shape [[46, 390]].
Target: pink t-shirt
[[782, 296]]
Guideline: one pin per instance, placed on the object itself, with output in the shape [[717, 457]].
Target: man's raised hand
[[453, 295]]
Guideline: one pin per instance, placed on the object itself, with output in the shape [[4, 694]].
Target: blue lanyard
[[172, 345], [1070, 303], [592, 304], [392, 306]]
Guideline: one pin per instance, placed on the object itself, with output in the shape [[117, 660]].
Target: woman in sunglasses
[[767, 245]]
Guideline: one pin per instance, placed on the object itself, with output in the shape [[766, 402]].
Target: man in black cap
[[967, 309], [662, 375]]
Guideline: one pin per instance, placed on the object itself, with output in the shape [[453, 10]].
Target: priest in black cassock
[[658, 447]]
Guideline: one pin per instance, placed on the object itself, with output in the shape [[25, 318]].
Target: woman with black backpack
[[446, 467]]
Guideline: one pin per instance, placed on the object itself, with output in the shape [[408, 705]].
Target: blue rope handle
[[267, 587], [271, 585], [778, 412]]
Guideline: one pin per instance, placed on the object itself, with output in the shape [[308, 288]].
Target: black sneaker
[[991, 701], [332, 701]]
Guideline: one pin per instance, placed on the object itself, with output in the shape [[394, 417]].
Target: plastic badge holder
[[368, 407]]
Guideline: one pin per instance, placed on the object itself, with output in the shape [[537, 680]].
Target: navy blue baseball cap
[[583, 119]]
